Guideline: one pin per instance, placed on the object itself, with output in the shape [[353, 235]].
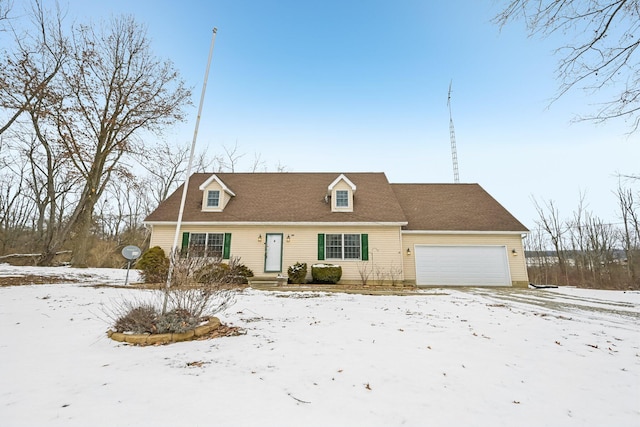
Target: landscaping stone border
[[151, 339]]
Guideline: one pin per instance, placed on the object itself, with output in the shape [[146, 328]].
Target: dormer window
[[213, 198], [341, 192], [215, 194], [342, 198]]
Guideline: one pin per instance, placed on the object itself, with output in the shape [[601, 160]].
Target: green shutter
[[226, 251], [320, 247], [364, 247], [185, 243]]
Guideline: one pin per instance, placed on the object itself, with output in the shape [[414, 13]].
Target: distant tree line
[[584, 250]]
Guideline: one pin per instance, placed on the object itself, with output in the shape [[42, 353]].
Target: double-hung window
[[197, 244], [207, 244], [351, 246], [342, 199], [213, 198], [343, 246]]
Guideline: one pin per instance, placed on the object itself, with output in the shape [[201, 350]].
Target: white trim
[[279, 223], [461, 232], [340, 178], [212, 178]]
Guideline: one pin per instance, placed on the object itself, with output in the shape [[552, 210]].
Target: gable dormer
[[215, 194], [341, 192]]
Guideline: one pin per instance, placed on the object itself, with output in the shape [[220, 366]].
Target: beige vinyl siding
[[517, 266], [384, 245]]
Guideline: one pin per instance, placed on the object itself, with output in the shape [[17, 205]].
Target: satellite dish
[[131, 252]]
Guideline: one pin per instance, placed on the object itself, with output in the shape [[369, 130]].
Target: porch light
[[288, 238], [260, 238], [408, 251], [514, 252]]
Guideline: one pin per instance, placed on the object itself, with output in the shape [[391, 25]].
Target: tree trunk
[[46, 258], [81, 240], [81, 234]]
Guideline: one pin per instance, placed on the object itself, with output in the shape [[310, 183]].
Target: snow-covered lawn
[[483, 357]]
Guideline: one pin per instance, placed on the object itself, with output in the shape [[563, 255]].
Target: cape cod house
[[423, 234]]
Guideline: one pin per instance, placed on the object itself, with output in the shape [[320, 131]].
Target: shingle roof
[[300, 197], [286, 197], [453, 207]]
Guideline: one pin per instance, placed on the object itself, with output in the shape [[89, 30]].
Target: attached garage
[[462, 266]]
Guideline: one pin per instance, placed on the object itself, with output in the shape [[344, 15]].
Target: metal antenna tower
[[452, 135]]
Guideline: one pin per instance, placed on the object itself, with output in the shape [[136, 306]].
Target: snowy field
[[479, 357]]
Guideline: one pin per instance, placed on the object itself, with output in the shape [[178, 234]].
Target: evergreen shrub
[[153, 265], [326, 273], [297, 272]]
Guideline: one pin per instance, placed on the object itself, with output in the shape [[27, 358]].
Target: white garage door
[[462, 266]]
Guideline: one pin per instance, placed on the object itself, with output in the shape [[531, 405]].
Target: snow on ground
[[481, 357], [92, 276]]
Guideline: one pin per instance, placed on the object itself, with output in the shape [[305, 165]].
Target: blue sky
[[362, 86]]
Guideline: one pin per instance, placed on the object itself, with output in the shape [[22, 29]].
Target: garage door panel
[[462, 266]]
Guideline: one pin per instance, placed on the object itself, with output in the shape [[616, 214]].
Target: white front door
[[273, 253]]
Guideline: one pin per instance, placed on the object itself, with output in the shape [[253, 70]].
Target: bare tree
[[50, 183], [257, 164], [551, 223], [601, 240], [203, 162], [5, 9], [114, 89], [28, 86], [229, 162], [602, 52], [578, 238], [15, 208], [281, 167], [27, 71], [630, 234], [118, 216], [166, 165]]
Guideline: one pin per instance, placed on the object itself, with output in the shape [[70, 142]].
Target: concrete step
[[266, 281]]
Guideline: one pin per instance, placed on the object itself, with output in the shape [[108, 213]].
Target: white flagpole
[[186, 181]]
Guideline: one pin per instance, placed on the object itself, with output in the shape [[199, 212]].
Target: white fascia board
[[342, 177], [280, 223], [461, 232], [215, 178]]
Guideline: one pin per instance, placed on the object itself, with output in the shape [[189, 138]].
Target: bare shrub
[[364, 270], [189, 271], [178, 321], [380, 275], [188, 307], [204, 286], [395, 273], [141, 317], [201, 287], [201, 301], [136, 317]]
